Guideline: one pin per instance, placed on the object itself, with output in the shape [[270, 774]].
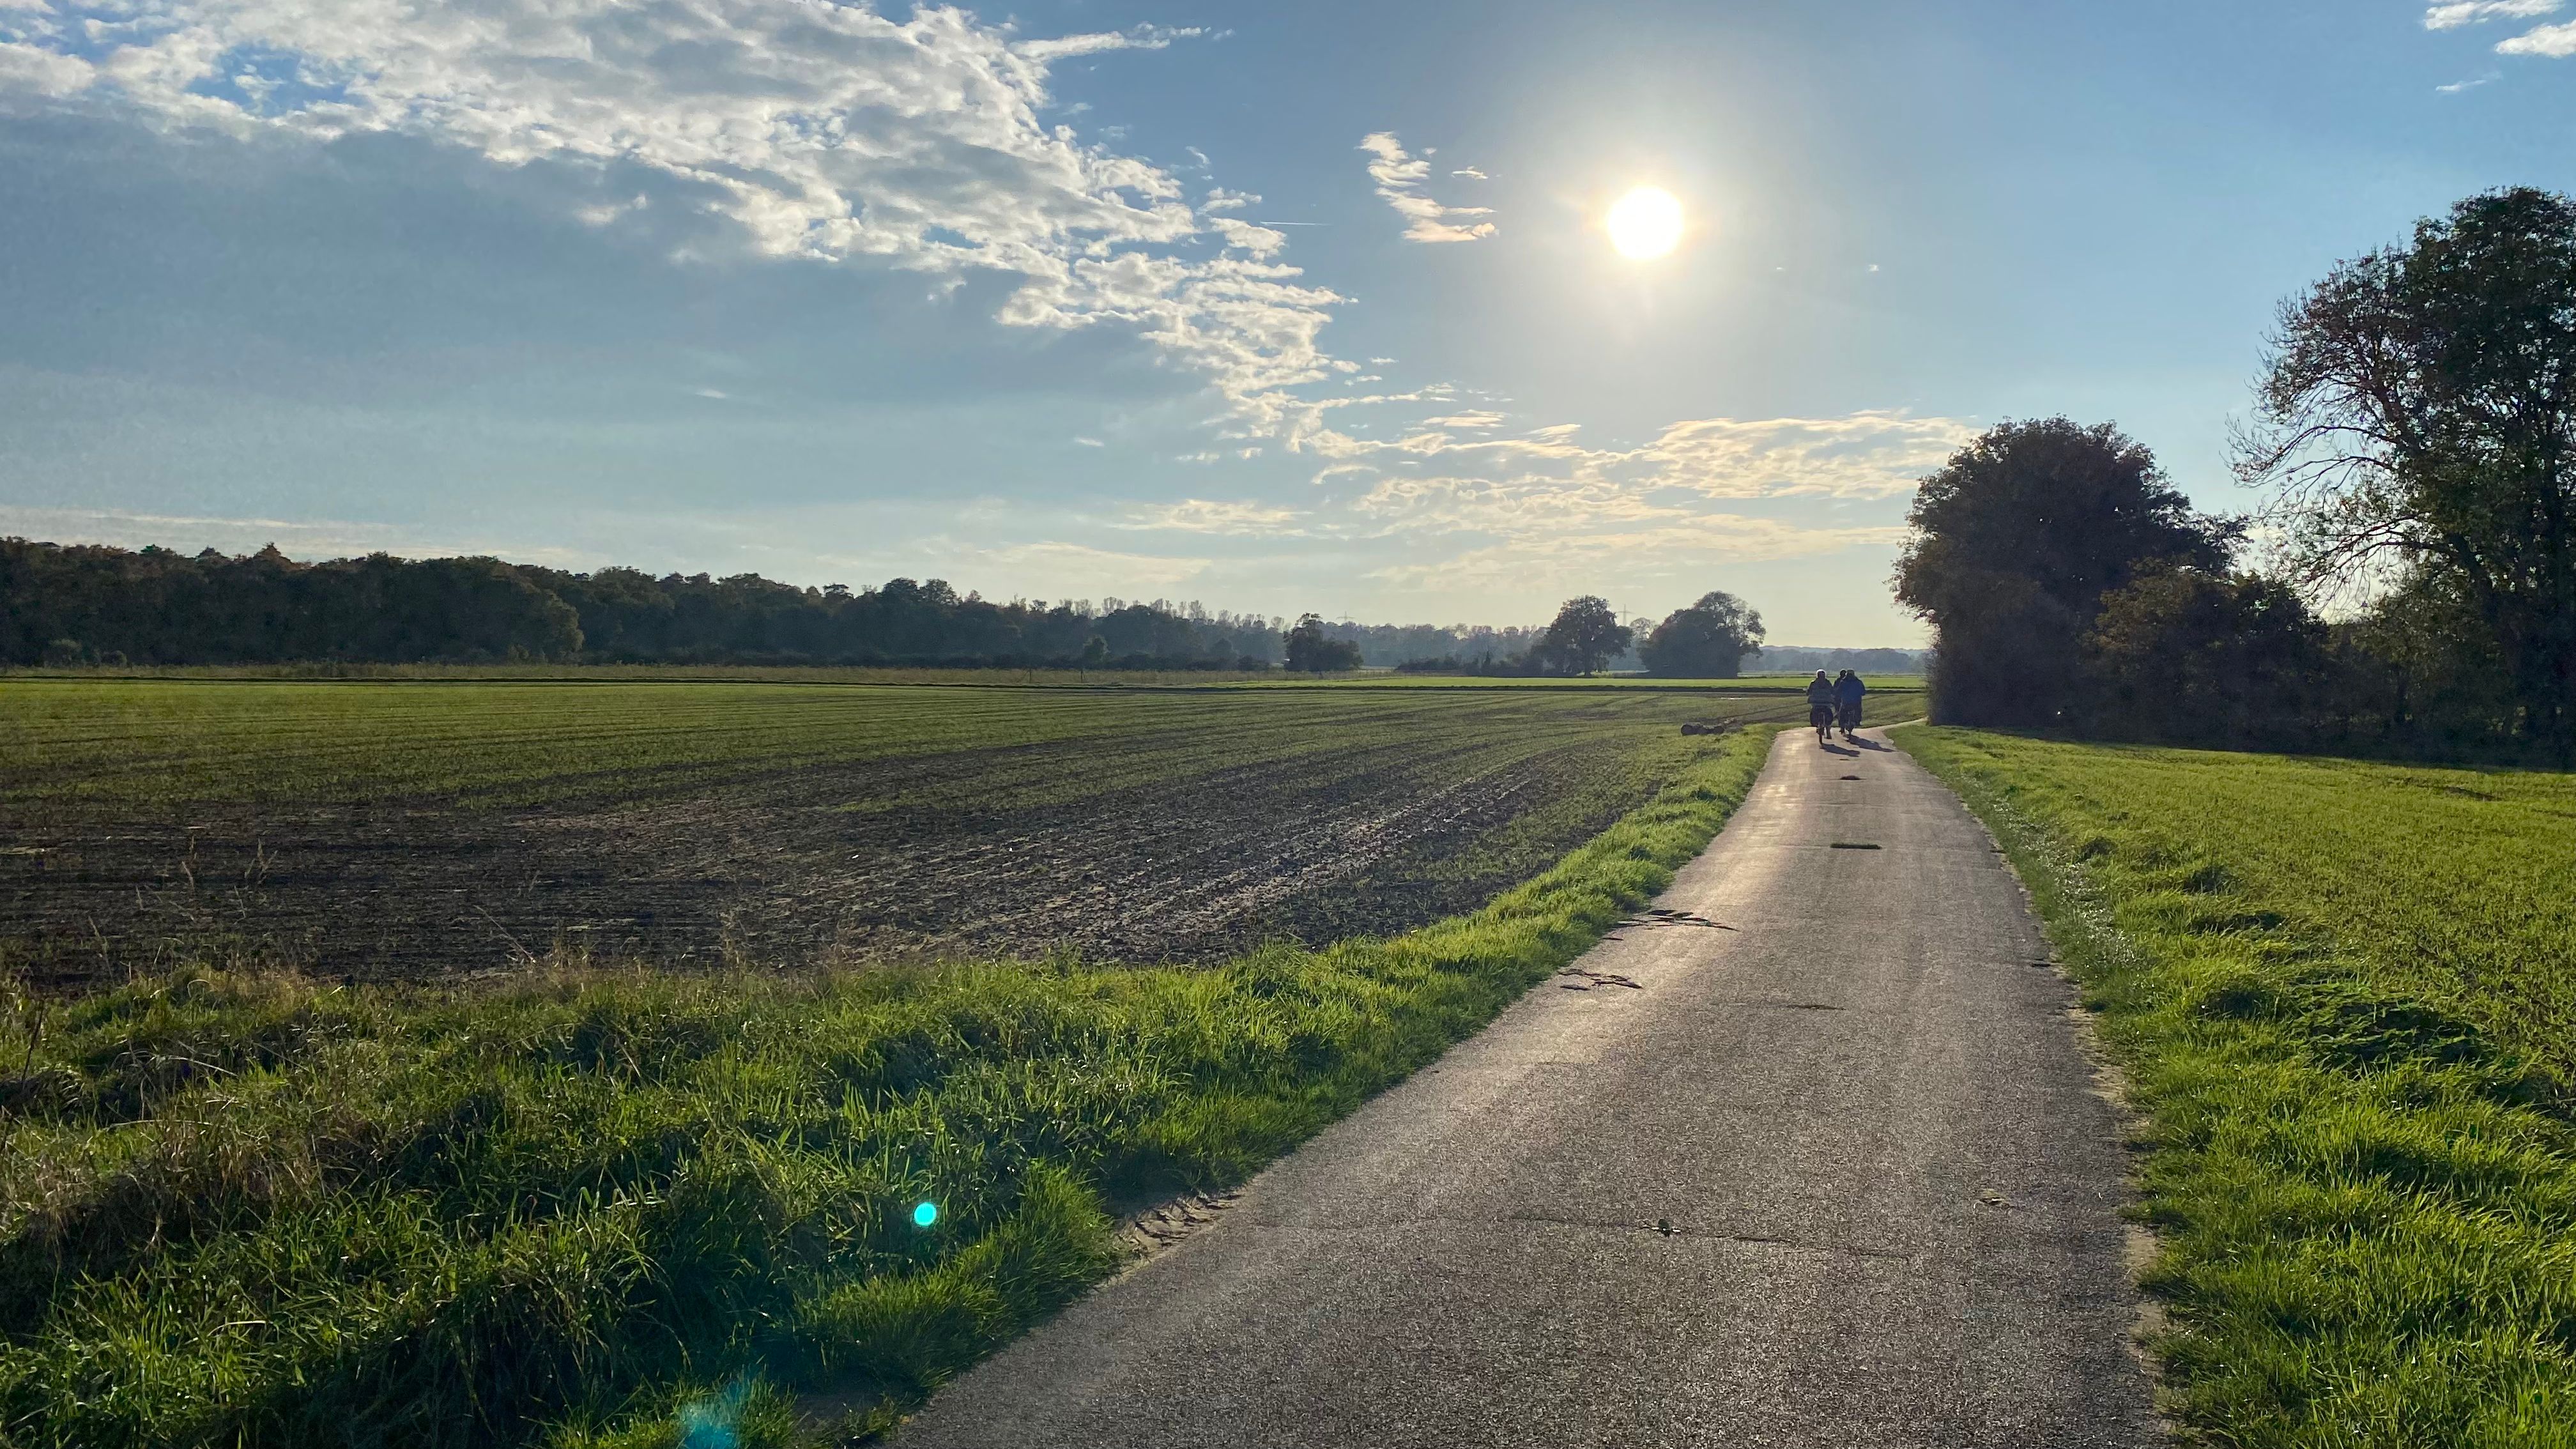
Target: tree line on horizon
[[2415, 449], [70, 604], [76, 604]]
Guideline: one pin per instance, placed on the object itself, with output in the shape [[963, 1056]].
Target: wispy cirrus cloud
[[1653, 548], [1400, 176], [1143, 37], [1870, 454], [1201, 515], [1497, 510], [1470, 509]]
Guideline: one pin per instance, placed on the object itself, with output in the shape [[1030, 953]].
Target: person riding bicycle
[[1820, 706], [1847, 693]]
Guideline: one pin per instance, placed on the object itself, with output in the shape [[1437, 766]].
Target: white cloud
[[33, 70], [1200, 515], [1471, 173], [1551, 508], [1399, 177], [2554, 41], [826, 131], [1665, 547], [1868, 454], [2455, 87], [1063, 569], [2456, 13], [1249, 237], [1472, 418], [1090, 443], [305, 539], [1143, 37]]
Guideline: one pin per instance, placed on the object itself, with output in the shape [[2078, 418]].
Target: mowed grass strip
[[2342, 995], [588, 1210]]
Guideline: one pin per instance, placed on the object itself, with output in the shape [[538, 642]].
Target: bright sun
[[1647, 222]]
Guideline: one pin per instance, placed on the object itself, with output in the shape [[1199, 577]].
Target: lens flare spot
[[926, 1214]]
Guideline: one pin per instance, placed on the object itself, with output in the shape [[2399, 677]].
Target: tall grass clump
[[588, 1208], [2338, 992]]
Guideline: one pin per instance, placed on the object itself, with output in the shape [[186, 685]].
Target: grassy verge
[[593, 1210], [2340, 995]]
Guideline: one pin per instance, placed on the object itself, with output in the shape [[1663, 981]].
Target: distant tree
[[1095, 652], [1584, 636], [1311, 652], [1708, 640], [2418, 427], [2016, 539]]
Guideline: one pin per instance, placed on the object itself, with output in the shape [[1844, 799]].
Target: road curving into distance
[[1830, 1172]]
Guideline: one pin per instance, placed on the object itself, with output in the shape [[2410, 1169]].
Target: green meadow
[[2343, 997]]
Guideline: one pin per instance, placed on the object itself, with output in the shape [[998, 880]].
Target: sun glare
[[1647, 222]]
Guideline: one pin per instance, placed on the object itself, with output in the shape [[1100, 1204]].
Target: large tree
[[1584, 636], [2418, 427], [1311, 652], [2015, 541], [1708, 640]]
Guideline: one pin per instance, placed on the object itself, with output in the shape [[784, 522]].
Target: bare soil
[[882, 860]]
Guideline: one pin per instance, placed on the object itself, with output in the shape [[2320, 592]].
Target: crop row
[[529, 743]]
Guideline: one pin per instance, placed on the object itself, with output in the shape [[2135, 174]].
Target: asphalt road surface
[[1834, 1176]]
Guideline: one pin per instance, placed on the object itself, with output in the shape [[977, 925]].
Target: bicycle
[[1822, 717], [1848, 718]]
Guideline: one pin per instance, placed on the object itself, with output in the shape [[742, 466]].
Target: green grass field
[[2344, 997], [585, 1208]]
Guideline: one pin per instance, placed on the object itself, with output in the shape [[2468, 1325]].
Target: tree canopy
[[2016, 539], [1585, 635], [70, 604], [1311, 651], [1708, 640], [2418, 430]]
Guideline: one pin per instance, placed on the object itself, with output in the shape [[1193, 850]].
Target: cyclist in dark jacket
[[1847, 693], [1820, 706]]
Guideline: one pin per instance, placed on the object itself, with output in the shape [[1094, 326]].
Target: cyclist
[[1847, 693], [1820, 707]]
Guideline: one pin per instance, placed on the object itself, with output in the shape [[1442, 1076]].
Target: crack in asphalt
[[1661, 1228]]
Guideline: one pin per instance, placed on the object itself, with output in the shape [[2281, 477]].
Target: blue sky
[[1275, 307]]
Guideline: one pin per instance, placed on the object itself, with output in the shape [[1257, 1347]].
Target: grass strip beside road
[[2339, 994], [594, 1210]]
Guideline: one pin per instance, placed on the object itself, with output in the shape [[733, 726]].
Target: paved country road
[[1892, 1194]]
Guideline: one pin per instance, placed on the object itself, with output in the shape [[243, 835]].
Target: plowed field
[[434, 828]]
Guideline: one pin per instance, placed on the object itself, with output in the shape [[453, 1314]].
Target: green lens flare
[[926, 1214]]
